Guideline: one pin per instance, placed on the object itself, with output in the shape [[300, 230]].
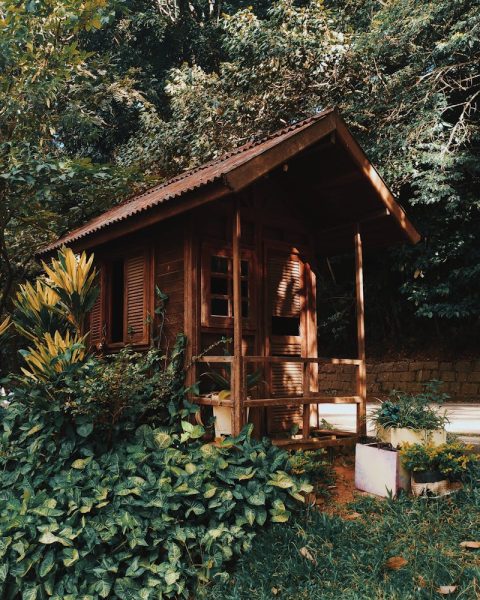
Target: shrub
[[414, 411], [149, 518], [455, 460]]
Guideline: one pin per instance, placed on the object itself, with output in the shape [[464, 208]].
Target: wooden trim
[[268, 158], [361, 375], [298, 401], [215, 359], [190, 296], [237, 366], [360, 159], [211, 401], [209, 321], [313, 443], [302, 359]]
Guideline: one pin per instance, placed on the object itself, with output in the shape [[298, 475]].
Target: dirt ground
[[342, 491]]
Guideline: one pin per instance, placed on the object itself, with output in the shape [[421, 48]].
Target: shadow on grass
[[349, 556]]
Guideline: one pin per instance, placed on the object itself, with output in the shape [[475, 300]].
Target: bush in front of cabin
[[149, 518], [107, 490]]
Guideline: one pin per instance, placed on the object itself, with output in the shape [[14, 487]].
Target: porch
[[310, 433]]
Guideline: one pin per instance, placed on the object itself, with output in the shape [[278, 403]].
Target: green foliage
[[47, 82], [414, 411], [455, 460], [350, 556], [118, 392], [149, 518], [52, 315], [314, 465]]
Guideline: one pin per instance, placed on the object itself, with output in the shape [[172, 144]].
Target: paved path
[[464, 418]]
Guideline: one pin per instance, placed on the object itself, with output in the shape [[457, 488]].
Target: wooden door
[[286, 305]]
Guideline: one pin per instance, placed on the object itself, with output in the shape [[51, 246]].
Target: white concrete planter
[[223, 420], [402, 435], [379, 471]]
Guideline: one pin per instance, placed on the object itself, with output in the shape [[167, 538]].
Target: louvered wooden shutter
[[136, 295], [284, 276], [97, 317], [285, 299]]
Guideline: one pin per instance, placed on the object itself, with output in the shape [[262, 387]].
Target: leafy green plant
[[223, 383], [52, 315], [413, 411], [150, 518], [455, 460], [129, 388]]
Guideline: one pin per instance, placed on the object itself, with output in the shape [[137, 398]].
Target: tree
[[405, 75], [48, 84]]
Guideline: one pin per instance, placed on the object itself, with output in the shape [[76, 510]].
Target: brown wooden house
[[243, 234]]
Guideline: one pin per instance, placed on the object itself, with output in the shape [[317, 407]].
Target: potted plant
[[412, 418], [223, 414], [438, 470]]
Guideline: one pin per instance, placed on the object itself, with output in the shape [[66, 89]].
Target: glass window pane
[[219, 285], [219, 264], [219, 307], [244, 286], [244, 268]]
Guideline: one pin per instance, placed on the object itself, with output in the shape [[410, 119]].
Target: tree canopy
[[105, 96]]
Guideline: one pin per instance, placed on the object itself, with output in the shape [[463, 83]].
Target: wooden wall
[[170, 277]]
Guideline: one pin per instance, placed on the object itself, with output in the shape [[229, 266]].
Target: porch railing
[[239, 401]]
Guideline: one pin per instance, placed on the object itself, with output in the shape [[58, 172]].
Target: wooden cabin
[[243, 234]]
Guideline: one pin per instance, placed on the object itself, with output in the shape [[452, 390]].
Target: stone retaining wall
[[461, 379]]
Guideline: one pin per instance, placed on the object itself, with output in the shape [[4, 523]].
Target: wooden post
[[237, 366], [361, 379], [306, 407]]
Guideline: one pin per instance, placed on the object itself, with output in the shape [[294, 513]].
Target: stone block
[[462, 376], [446, 366], [430, 364], [449, 376], [463, 365], [453, 387], [415, 366], [474, 377], [469, 389], [421, 375]]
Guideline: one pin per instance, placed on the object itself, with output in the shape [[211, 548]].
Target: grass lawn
[[347, 558]]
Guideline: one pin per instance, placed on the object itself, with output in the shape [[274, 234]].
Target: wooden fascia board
[[268, 159], [148, 217], [357, 154]]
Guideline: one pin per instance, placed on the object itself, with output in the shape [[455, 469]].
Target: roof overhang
[[237, 170]]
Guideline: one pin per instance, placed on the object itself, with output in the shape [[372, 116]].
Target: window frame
[[209, 250], [148, 300]]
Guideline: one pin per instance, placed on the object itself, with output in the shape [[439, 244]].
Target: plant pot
[[396, 436], [223, 420], [432, 484], [379, 470], [427, 476]]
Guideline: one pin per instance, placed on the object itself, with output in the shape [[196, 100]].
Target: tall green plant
[[52, 314]]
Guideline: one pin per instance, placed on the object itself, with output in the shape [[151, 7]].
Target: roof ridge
[[227, 155], [200, 175]]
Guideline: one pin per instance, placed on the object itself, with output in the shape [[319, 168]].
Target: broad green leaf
[[47, 564]]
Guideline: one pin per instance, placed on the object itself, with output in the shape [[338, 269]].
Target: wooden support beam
[[306, 405], [361, 375], [313, 399], [314, 443], [237, 366]]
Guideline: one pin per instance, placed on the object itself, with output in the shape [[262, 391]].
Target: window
[[217, 278], [128, 294], [116, 301]]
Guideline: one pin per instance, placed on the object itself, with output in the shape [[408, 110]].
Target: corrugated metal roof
[[185, 182]]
